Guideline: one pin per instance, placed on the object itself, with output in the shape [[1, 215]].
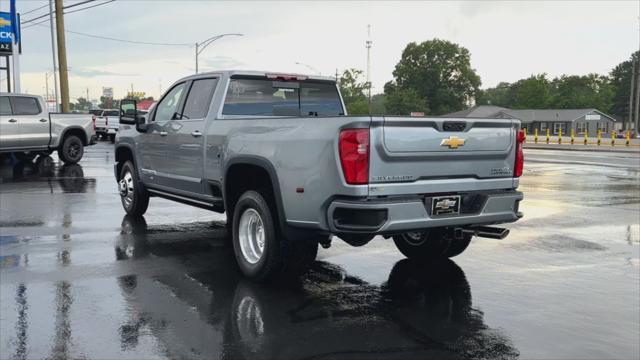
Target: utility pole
[[53, 54], [197, 57], [637, 107], [62, 57], [87, 94], [633, 82], [368, 44]]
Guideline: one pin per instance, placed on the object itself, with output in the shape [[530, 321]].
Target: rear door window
[[5, 106], [264, 97], [112, 113], [24, 105], [197, 104]]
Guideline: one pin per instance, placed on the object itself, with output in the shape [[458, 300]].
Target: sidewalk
[[605, 144]]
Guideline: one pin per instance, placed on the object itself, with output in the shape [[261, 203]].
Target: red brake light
[[286, 77], [354, 155], [519, 165]]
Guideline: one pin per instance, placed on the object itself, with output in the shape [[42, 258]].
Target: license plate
[[445, 205]]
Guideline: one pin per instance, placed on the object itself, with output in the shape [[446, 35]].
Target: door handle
[[13, 120], [43, 120], [196, 133], [163, 133]]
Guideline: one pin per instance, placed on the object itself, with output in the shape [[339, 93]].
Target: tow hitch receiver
[[487, 232]]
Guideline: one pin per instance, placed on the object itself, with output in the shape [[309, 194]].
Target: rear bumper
[[394, 215]]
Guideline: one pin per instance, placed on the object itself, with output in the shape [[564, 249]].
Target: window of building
[[581, 128], [603, 126], [543, 127], [559, 126]]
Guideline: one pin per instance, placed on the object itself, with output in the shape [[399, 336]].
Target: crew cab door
[[33, 120], [9, 128], [186, 138], [152, 145]]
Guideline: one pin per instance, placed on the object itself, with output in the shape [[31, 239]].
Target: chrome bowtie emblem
[[453, 142]]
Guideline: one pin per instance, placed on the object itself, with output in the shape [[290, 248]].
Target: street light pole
[[203, 45]]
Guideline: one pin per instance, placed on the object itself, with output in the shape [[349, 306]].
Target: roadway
[[78, 279]]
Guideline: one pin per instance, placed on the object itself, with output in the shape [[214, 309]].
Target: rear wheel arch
[[252, 173], [77, 131]]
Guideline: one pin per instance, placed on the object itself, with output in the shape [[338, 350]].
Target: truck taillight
[[354, 155], [519, 165]]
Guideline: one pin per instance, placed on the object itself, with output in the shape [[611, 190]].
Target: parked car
[[106, 122], [279, 155], [28, 129]]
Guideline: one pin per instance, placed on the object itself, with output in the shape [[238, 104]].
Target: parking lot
[[81, 280]]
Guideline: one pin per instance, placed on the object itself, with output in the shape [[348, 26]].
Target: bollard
[[586, 137], [548, 133], [535, 136], [613, 138], [599, 137], [560, 136], [628, 142], [573, 135]]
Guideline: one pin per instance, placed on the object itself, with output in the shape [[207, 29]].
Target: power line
[[32, 10], [68, 12], [88, 7], [122, 40], [66, 7]]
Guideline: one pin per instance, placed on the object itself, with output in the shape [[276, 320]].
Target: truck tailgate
[[463, 154]]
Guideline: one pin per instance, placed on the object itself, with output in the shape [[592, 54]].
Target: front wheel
[[431, 244], [134, 197], [71, 150], [261, 251]]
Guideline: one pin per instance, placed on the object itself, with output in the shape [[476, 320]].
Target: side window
[[23, 105], [5, 106], [197, 104], [168, 107]]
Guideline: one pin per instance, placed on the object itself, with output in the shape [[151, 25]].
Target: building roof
[[526, 115], [478, 111], [560, 115]]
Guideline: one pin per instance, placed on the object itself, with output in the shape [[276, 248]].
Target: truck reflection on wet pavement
[[79, 280]]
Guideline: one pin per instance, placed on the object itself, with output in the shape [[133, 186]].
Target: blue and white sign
[[6, 33]]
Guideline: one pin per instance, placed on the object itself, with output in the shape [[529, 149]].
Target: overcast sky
[[507, 40]]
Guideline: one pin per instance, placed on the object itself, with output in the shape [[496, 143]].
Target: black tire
[[112, 138], [276, 255], [434, 243], [133, 195], [71, 150]]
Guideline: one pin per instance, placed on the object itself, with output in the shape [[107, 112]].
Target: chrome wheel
[[251, 236], [126, 189]]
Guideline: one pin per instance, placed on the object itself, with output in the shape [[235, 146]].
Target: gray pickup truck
[[28, 129], [279, 155]]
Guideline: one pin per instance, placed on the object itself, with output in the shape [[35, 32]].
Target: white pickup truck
[[27, 129], [106, 121]]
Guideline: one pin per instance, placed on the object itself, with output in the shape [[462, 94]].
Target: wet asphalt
[[78, 279]]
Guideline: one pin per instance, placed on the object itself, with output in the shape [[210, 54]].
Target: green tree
[[353, 90], [108, 103], [620, 79], [378, 104], [439, 72], [399, 101], [501, 95], [81, 104], [588, 91], [531, 93]]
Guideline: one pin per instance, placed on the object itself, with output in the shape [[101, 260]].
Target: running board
[[487, 232]]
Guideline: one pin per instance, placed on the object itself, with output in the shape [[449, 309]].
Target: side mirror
[[128, 112]]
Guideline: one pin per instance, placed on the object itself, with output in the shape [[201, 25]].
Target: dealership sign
[[6, 33]]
